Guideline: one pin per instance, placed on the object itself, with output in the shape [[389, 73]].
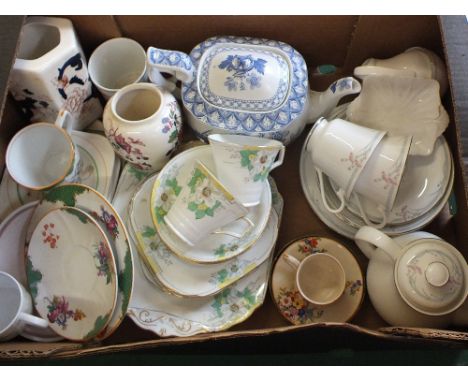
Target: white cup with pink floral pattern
[[341, 150], [243, 164], [380, 179], [203, 206]]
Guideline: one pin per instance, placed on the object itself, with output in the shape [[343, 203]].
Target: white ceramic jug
[[415, 280], [50, 74]]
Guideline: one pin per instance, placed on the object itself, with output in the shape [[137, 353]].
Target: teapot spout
[[322, 103]]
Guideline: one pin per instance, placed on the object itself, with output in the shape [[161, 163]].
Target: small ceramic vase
[[50, 74], [143, 124]]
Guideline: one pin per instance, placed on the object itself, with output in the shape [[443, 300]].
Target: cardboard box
[[344, 41]]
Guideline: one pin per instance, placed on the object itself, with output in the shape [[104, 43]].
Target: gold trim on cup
[[156, 186], [70, 159]]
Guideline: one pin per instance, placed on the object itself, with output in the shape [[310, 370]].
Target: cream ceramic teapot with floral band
[[415, 280], [248, 86]]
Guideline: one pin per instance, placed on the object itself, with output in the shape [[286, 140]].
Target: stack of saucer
[[221, 271], [78, 263]]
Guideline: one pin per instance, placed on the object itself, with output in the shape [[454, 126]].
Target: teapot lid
[[431, 276], [247, 84]]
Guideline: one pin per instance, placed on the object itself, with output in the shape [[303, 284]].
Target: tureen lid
[[431, 276], [252, 84]]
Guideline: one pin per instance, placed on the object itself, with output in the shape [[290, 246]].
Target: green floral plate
[[153, 309], [290, 302], [187, 278], [92, 202], [214, 248], [71, 274]]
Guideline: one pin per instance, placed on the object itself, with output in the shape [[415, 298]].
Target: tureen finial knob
[[437, 274]]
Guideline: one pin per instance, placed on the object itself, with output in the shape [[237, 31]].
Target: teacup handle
[[33, 320], [291, 261], [370, 70], [235, 234], [368, 239], [340, 195], [64, 120], [364, 216], [280, 160]]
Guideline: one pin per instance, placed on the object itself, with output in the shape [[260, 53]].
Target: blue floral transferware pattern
[[247, 71], [267, 118]]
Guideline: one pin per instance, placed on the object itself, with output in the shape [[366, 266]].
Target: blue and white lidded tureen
[[249, 86]]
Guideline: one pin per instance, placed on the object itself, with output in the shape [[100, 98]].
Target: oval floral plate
[[215, 247], [290, 302], [72, 274], [187, 278], [90, 201], [167, 315]]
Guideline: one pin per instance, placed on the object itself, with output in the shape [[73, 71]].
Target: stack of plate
[[221, 280], [99, 169], [424, 190], [79, 266]]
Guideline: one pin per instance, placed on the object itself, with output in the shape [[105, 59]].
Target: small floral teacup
[[341, 149], [243, 164], [42, 155], [203, 207]]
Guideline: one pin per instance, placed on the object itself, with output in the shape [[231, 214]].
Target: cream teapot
[[248, 86], [415, 280]]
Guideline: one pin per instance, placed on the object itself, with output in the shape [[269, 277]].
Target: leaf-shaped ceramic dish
[[401, 106]]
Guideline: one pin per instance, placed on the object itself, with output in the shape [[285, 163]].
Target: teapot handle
[[173, 62], [368, 239]]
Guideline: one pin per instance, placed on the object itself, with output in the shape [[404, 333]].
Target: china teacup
[[116, 63], [43, 155], [341, 150], [203, 206], [380, 179], [243, 164], [320, 278], [414, 62], [16, 308]]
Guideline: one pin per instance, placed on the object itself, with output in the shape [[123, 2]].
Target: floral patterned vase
[[50, 74], [144, 125]]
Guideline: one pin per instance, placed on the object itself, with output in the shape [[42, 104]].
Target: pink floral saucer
[[290, 302]]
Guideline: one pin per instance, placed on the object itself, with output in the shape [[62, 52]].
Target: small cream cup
[[320, 278]]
